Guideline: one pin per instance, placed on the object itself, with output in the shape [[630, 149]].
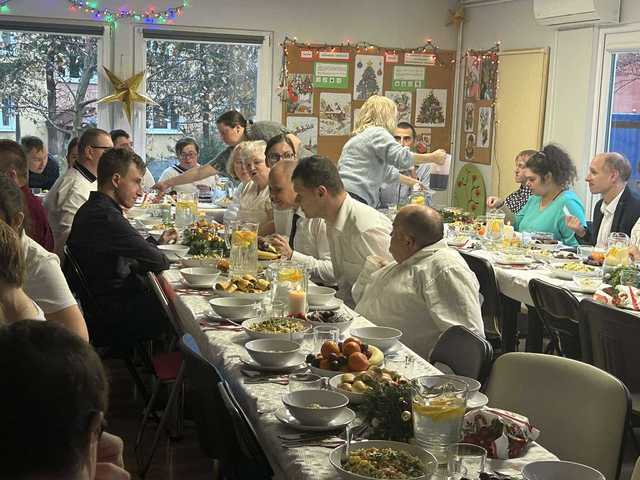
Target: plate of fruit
[[356, 385], [350, 356]]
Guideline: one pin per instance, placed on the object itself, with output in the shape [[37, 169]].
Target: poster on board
[[423, 140], [335, 114], [368, 76], [408, 78], [306, 129], [330, 75], [300, 93], [484, 127], [472, 77], [431, 107], [403, 102], [469, 147], [469, 113]]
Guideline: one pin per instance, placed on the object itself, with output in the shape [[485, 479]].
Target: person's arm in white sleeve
[[321, 267], [68, 205]]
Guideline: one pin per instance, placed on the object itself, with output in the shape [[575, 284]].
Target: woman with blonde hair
[[255, 200], [236, 171], [365, 158]]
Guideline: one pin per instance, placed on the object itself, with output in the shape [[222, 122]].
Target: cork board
[[322, 105]]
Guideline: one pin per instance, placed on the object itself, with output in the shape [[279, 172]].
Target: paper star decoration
[[126, 91], [456, 16]]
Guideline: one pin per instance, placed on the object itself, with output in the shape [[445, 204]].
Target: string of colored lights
[[149, 15], [4, 6]]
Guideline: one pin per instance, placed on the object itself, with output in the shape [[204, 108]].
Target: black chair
[[464, 352], [491, 305], [98, 330], [557, 308], [224, 432]]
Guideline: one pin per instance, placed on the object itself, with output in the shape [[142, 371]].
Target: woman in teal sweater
[[550, 174]]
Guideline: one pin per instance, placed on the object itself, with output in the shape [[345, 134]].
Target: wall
[[571, 92]]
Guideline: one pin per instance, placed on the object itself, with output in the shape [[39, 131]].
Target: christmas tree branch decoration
[[456, 16], [149, 15], [126, 91]]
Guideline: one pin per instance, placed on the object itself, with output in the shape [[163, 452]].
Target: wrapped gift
[[503, 434]]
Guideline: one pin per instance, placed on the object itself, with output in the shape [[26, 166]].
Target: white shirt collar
[[344, 211], [612, 205]]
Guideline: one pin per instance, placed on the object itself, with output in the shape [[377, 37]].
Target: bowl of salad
[[280, 327], [373, 459]]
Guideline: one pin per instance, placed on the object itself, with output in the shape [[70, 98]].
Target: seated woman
[[14, 303], [550, 174], [188, 152], [255, 201], [236, 171], [279, 148], [515, 200]]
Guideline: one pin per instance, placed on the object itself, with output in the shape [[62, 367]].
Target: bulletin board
[[478, 115], [323, 87]]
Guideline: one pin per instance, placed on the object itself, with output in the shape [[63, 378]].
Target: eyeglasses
[[100, 146], [276, 157], [188, 154]]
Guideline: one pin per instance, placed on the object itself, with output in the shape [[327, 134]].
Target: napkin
[[624, 296], [503, 434]]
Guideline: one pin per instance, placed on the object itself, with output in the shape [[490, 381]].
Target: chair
[[635, 475], [97, 332], [166, 295], [558, 310], [491, 310], [218, 419], [581, 411], [464, 351]]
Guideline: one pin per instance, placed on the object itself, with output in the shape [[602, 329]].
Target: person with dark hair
[[43, 168], [121, 139], [279, 148], [188, 152], [355, 230], [44, 282], [550, 174], [13, 163], [73, 188], [618, 209], [233, 129], [15, 304], [515, 200], [54, 400], [72, 152], [114, 257], [428, 288]]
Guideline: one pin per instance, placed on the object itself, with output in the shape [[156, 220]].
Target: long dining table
[[225, 348]]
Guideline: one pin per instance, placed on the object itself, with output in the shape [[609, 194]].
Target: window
[[194, 78], [48, 82]]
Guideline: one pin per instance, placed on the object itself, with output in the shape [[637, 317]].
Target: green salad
[[384, 463]]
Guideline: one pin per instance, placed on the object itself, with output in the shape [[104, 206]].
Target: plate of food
[[567, 271], [281, 327], [350, 356], [508, 259], [458, 241], [582, 284], [266, 251], [245, 286], [355, 385], [335, 318]]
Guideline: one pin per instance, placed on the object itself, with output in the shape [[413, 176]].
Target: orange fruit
[[350, 347], [357, 362], [328, 348], [351, 339]]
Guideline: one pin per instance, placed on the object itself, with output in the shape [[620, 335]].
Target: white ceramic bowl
[[557, 470], [300, 404], [174, 250], [429, 462], [318, 295], [200, 275], [234, 308], [342, 325], [283, 336], [272, 352], [148, 221], [382, 337], [569, 274], [199, 261], [473, 384], [354, 397]]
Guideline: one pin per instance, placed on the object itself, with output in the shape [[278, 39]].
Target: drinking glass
[[186, 209], [289, 283], [466, 460], [304, 381], [283, 220], [495, 226], [242, 240], [400, 363], [438, 410], [324, 333]]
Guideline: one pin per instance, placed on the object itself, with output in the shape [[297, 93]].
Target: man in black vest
[[618, 208]]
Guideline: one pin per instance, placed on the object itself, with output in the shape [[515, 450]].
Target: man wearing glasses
[[71, 190], [188, 151]]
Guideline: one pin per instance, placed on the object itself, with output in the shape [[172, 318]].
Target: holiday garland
[[4, 6], [150, 15]]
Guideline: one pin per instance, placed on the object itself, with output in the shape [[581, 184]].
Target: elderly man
[[307, 243], [618, 208], [113, 255], [71, 190], [428, 288], [355, 230]]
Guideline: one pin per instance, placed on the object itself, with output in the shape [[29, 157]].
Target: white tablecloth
[[224, 349]]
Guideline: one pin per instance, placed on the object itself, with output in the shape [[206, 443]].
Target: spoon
[[344, 458]]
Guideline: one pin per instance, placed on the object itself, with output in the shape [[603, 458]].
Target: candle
[[297, 301], [508, 232]]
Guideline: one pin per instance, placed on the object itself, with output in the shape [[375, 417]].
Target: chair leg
[[177, 387], [147, 413], [137, 379]]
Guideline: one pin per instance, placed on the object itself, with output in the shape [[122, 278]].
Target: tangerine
[[357, 362], [328, 348], [352, 339], [350, 347]]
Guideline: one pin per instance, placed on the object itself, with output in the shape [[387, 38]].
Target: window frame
[[169, 32]]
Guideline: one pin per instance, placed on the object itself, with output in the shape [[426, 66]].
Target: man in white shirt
[[70, 191], [355, 230], [307, 242], [428, 288], [618, 208], [122, 139], [188, 152]]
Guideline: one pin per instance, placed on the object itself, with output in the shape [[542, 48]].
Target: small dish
[[334, 304], [272, 352], [315, 407], [200, 276], [382, 337], [343, 419], [294, 364], [355, 398], [478, 400], [176, 251], [318, 295], [234, 308]]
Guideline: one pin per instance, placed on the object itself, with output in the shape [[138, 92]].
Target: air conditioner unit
[[576, 13]]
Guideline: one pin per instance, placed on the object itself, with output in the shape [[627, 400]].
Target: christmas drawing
[[472, 77], [469, 110], [300, 93], [403, 102], [423, 140], [469, 148], [484, 127], [431, 105], [335, 113], [488, 79], [306, 129], [368, 76]]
